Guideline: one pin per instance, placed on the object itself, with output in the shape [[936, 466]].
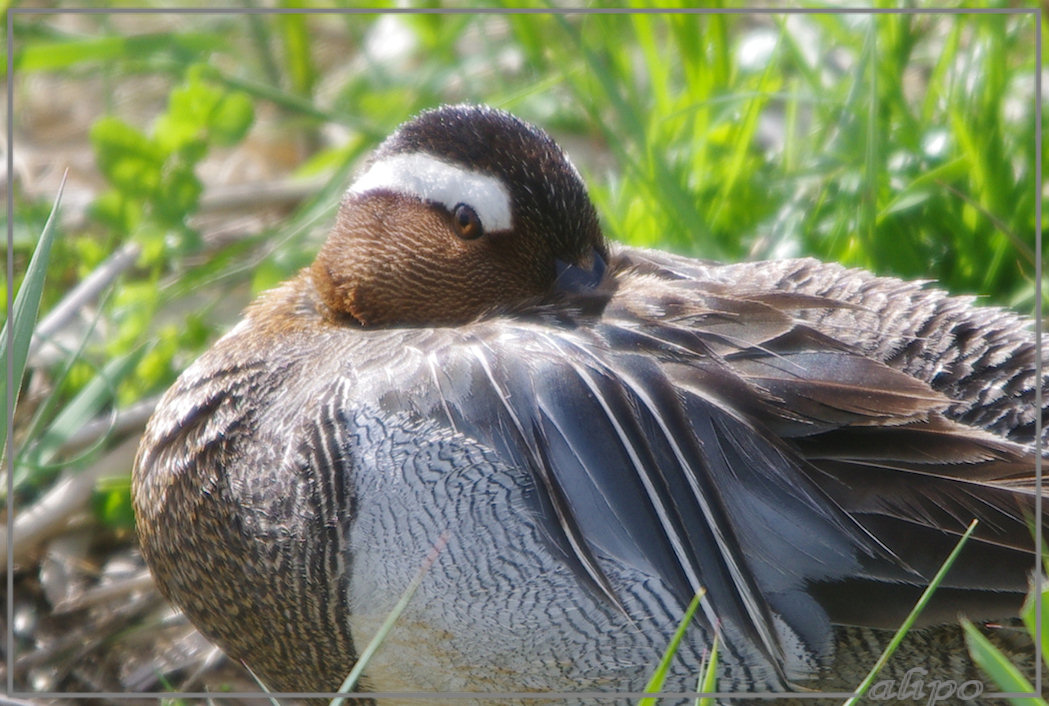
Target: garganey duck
[[580, 436]]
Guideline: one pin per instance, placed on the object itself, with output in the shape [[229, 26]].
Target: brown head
[[462, 211]]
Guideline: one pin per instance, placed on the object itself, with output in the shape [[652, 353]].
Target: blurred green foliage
[[154, 184], [899, 143]]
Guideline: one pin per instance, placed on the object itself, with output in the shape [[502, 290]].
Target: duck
[[562, 441]]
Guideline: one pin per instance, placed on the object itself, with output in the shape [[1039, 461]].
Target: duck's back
[[982, 358]]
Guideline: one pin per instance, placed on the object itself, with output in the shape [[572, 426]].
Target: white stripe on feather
[[426, 177], [582, 553], [751, 602]]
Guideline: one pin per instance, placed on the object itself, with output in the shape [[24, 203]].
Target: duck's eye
[[467, 224]]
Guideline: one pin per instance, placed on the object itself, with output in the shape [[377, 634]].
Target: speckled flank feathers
[[597, 431]]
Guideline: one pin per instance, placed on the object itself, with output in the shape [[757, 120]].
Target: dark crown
[[546, 191]]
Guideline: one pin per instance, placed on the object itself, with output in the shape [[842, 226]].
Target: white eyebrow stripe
[[431, 179]]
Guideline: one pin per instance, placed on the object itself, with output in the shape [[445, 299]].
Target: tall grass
[[900, 143]]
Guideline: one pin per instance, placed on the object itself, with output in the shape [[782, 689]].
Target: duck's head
[[462, 211]]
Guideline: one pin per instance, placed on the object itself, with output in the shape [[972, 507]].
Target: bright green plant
[[803, 139], [23, 322], [1005, 674], [708, 674], [909, 621], [154, 190], [154, 187]]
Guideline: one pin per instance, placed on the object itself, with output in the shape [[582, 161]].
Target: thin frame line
[[1038, 358], [431, 695], [9, 397], [527, 11], [1037, 12]]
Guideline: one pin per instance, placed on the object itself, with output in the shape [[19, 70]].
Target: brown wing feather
[[912, 409]]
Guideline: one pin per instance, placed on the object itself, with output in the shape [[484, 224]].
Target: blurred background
[[205, 155]]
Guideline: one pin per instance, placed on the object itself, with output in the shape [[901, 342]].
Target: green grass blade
[[299, 63], [84, 406], [743, 140], [1030, 613], [262, 41], [912, 616], [47, 410], [708, 678], [373, 645], [659, 677], [53, 56], [1004, 673], [292, 102], [24, 313], [872, 141], [69, 53], [262, 685]]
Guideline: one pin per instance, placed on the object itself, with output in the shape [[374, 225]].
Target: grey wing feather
[[742, 436]]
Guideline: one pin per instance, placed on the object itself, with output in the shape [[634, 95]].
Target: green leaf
[[1004, 673], [297, 49], [268, 274], [84, 407], [232, 118], [659, 677], [199, 112], [154, 245], [184, 125], [51, 56], [156, 365], [923, 600], [1029, 615], [708, 678], [56, 55], [905, 201], [112, 502], [331, 158], [178, 195], [350, 682], [23, 319], [129, 160], [115, 210]]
